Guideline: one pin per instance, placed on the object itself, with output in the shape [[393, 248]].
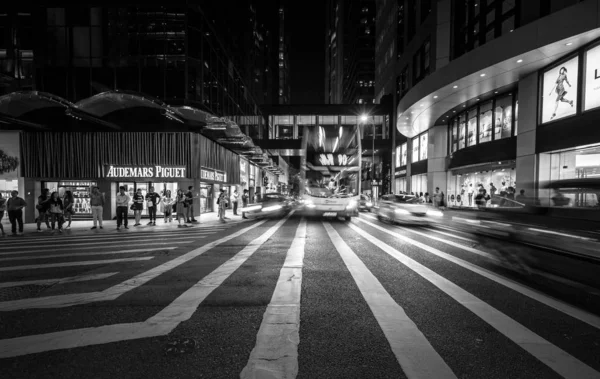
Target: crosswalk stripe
[[72, 279], [276, 349], [112, 237], [452, 235], [101, 245], [27, 257], [117, 290], [413, 351], [567, 309], [69, 264], [181, 309], [552, 356]]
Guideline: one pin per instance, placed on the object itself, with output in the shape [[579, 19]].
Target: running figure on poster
[[560, 90]]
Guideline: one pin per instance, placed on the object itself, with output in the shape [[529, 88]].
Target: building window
[[415, 150], [421, 62], [402, 83], [403, 154], [423, 146]]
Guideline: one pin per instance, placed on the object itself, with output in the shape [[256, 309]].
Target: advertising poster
[[398, 156], [592, 79], [404, 153], [9, 155], [559, 96]]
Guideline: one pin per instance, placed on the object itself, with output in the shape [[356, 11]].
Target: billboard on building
[[9, 155], [592, 79], [559, 91]]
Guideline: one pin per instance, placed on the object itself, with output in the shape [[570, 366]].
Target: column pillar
[[527, 161], [437, 151]]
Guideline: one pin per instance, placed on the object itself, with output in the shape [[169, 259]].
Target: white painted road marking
[[275, 354], [567, 309], [37, 247], [26, 257], [72, 279], [70, 264], [115, 291], [181, 309], [415, 354], [452, 235], [552, 356]]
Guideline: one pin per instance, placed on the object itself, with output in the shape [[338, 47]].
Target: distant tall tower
[[350, 52]]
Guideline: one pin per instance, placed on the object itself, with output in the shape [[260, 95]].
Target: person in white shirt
[[123, 200], [234, 200]]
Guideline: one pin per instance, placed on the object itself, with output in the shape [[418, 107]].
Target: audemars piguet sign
[[166, 172], [212, 175]]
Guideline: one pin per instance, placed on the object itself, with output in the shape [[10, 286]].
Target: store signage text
[[401, 173], [144, 172], [592, 74], [212, 175], [333, 159], [76, 184]]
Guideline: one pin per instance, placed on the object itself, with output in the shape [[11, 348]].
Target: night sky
[[306, 25]]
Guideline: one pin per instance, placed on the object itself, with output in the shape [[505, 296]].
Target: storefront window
[[418, 184], [7, 186], [516, 116], [398, 156], [404, 154], [462, 131], [503, 115], [454, 136], [415, 149], [581, 163], [160, 188], [424, 145], [400, 185], [81, 191], [485, 122], [465, 186], [472, 128]]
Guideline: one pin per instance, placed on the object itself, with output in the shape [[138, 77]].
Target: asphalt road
[[292, 298]]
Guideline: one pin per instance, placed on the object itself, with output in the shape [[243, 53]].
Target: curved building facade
[[494, 93]]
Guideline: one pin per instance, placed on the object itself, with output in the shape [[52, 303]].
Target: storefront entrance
[[159, 187], [81, 191], [206, 197]]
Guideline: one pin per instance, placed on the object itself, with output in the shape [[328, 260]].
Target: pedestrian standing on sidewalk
[[152, 201], [15, 207], [56, 211], [222, 203], [245, 198], [138, 206], [42, 207], [68, 202], [122, 208], [168, 202], [180, 207], [97, 203], [2, 210], [189, 201], [234, 200]]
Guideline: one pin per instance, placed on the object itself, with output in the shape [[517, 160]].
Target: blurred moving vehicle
[[407, 209], [270, 205], [365, 203], [322, 203]]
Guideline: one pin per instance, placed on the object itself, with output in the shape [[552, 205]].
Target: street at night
[[316, 298]]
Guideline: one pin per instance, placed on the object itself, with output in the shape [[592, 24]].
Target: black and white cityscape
[[319, 189]]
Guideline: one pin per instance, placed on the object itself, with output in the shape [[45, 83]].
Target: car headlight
[[402, 212], [352, 204], [435, 213], [309, 204], [369, 204], [272, 208], [251, 208]]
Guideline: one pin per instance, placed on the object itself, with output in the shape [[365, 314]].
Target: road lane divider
[[49, 282], [70, 255], [275, 354], [163, 323], [587, 317], [413, 351], [552, 356], [115, 291]]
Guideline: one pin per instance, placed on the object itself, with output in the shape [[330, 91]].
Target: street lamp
[[364, 118]]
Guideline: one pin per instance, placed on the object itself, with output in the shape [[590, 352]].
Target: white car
[[407, 209]]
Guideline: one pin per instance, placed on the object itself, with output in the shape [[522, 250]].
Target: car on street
[[270, 205], [406, 209], [365, 203]]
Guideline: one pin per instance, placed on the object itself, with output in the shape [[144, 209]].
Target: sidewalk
[[206, 219]]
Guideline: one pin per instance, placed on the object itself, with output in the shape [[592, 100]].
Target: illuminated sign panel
[[111, 171], [559, 96], [333, 160], [213, 175], [592, 79]]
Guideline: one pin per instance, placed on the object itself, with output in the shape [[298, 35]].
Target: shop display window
[[404, 154], [398, 155], [485, 122], [462, 130], [423, 146], [7, 186], [580, 163], [415, 150], [472, 128], [503, 118], [81, 191], [454, 137], [160, 188], [206, 197], [495, 182], [400, 185], [418, 184]]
